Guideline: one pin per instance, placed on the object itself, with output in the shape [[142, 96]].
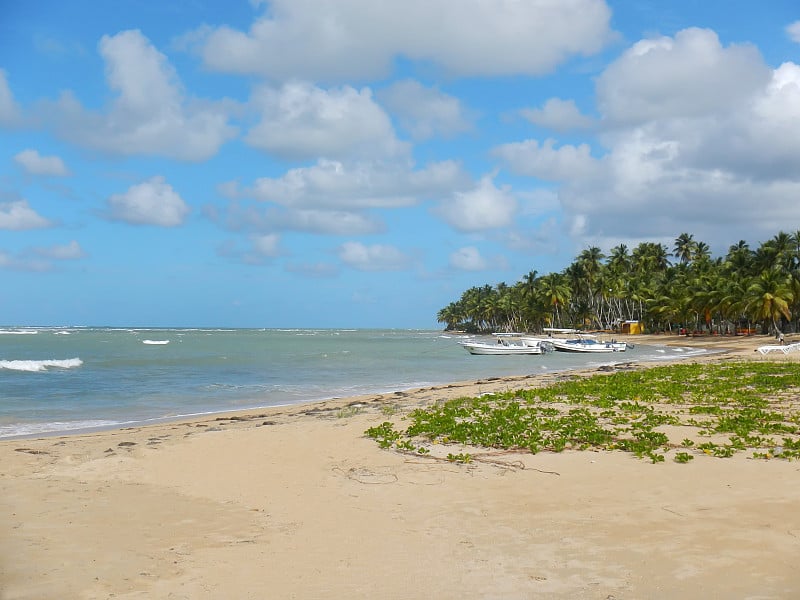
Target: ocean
[[61, 380]]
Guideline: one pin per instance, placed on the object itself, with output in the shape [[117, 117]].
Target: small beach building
[[631, 327]]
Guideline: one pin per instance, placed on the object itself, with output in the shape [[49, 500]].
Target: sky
[[353, 163]]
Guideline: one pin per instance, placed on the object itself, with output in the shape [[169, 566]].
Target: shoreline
[[39, 430], [294, 501]]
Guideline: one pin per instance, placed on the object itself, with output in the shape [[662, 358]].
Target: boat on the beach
[[508, 343], [588, 345], [584, 343]]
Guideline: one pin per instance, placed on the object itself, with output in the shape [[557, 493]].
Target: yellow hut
[[632, 327]]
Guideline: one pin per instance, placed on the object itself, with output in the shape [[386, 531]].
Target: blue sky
[[310, 163]]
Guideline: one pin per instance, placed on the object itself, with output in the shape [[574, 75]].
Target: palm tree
[[739, 258], [649, 257], [769, 297], [555, 293], [451, 315], [684, 247], [619, 260], [702, 252]]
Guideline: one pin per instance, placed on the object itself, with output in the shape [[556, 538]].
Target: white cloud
[[358, 39], [547, 163], [152, 202], [150, 114], [329, 222], [357, 185], [559, 115], [9, 110], [326, 222], [36, 164], [19, 216], [690, 75], [538, 201], [696, 136], [70, 251], [425, 112], [468, 258], [302, 121], [378, 257], [260, 249], [483, 207], [8, 261], [40, 259], [793, 31]]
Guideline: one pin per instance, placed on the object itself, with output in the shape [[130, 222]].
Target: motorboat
[[508, 343], [582, 344]]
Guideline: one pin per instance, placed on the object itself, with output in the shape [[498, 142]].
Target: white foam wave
[[155, 342], [34, 366], [18, 332], [34, 429]]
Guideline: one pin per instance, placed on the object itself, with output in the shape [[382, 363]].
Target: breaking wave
[[34, 366]]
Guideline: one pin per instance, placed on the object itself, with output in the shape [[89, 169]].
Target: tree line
[[665, 291]]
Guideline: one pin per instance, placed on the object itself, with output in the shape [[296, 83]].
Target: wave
[[36, 429], [155, 342], [18, 332], [34, 366]]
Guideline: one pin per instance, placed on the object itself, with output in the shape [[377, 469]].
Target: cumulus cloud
[[468, 258], [266, 245], [261, 248], [40, 258], [692, 135], [546, 162], [150, 113], [378, 257], [359, 39], [10, 113], [690, 75], [357, 185], [19, 216], [793, 31], [36, 164], [70, 251], [425, 112], [16, 263], [302, 121], [152, 202], [335, 198], [317, 221], [483, 207], [559, 115]]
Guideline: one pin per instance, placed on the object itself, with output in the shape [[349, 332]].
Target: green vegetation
[[743, 289], [713, 409]]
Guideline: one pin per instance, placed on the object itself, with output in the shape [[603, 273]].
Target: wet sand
[[296, 502]]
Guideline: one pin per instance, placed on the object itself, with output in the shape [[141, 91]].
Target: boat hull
[[500, 349], [588, 346]]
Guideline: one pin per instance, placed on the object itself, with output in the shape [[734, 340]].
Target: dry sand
[[297, 503]]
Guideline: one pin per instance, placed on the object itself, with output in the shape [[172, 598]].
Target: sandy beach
[[297, 502]]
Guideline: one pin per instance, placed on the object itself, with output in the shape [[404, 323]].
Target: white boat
[[503, 345], [582, 344]]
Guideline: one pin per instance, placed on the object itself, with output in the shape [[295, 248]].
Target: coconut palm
[[555, 293], [739, 258], [769, 297], [684, 247]]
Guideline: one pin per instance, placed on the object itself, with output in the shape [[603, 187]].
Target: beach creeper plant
[[752, 403]]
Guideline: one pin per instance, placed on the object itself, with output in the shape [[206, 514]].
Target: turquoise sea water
[[68, 379]]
